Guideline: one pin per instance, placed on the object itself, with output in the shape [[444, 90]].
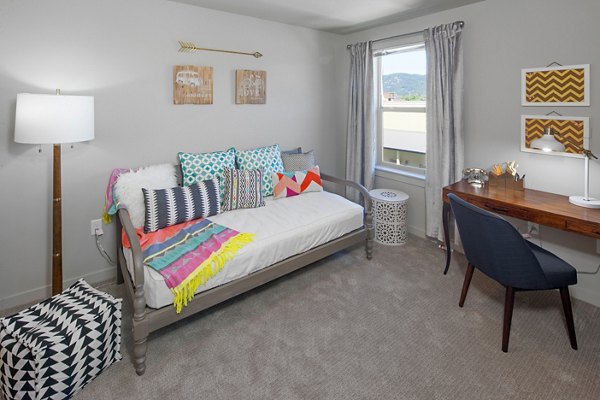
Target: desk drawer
[[586, 228], [504, 210]]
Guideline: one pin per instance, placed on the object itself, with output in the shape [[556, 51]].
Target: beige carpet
[[347, 328]]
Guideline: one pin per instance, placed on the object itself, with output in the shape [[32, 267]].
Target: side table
[[389, 216]]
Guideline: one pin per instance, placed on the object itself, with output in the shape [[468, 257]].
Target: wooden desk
[[530, 205]]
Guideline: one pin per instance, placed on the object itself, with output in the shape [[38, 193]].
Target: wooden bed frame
[[146, 320]]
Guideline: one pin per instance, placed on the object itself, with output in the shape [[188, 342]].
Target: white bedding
[[283, 228]]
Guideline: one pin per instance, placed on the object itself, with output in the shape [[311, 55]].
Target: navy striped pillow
[[166, 207]]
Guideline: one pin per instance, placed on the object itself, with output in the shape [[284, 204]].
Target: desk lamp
[[547, 142], [586, 200]]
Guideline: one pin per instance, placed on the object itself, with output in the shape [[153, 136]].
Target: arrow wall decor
[[189, 47]]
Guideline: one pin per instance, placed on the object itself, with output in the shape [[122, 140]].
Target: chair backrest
[[495, 247]]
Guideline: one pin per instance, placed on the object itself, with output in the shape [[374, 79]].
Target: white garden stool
[[389, 215]]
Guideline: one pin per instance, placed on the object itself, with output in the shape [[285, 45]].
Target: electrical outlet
[[533, 229], [96, 227]]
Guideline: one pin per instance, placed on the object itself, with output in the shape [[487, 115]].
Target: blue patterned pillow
[[268, 159], [243, 189], [166, 207], [198, 167]]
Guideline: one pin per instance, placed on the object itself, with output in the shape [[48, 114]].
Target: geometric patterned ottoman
[[53, 349]]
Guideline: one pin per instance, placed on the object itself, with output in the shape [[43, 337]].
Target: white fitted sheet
[[283, 228]]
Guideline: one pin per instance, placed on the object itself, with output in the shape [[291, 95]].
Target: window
[[402, 108]]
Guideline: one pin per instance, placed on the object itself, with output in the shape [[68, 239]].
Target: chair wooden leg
[[509, 302], [466, 283], [566, 302]]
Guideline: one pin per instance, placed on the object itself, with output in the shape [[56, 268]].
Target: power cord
[[101, 249]]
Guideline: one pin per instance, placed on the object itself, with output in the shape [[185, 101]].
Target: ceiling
[[336, 16]]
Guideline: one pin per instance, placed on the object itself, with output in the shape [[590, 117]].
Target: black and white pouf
[[53, 349]]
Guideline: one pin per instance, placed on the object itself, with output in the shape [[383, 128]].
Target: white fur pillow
[[128, 188]]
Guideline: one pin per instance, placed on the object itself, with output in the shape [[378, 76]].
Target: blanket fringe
[[185, 291]]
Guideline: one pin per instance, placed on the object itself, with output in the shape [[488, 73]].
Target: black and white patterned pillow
[[243, 189], [166, 207]]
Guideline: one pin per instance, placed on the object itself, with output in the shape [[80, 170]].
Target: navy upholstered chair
[[496, 248]]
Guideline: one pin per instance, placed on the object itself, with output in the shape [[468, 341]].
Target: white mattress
[[283, 228]]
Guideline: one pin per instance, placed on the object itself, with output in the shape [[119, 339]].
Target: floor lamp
[[54, 119]]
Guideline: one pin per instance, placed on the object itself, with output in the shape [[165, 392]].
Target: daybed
[[289, 233]]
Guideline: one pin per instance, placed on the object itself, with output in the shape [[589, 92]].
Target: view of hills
[[406, 86]]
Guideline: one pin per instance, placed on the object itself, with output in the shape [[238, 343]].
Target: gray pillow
[[298, 162], [297, 150]]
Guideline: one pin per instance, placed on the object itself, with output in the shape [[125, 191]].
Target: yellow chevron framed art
[[572, 132], [565, 85]]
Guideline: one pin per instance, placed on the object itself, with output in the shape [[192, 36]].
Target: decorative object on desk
[[571, 132], [504, 177], [586, 200], [475, 176], [189, 47], [192, 84], [250, 87], [567, 85], [54, 119]]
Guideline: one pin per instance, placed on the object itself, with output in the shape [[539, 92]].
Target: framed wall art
[[564, 85], [250, 87], [572, 132], [192, 84]]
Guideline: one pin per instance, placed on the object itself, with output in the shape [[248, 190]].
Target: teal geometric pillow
[[266, 158], [198, 167]]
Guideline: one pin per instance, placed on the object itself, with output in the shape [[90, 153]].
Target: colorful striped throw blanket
[[187, 255]]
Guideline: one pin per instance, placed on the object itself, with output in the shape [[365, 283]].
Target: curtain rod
[[462, 23]]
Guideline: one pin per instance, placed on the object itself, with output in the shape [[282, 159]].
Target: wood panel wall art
[[250, 87], [192, 84], [566, 85], [572, 132]]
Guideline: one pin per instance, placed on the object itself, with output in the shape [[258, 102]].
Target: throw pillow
[[128, 188], [297, 150], [298, 162], [166, 207], [197, 167], [243, 189], [268, 159], [288, 184]]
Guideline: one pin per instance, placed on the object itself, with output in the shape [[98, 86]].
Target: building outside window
[[402, 107]]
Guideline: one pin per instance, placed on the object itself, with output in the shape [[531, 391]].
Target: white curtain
[[361, 129], [445, 148]]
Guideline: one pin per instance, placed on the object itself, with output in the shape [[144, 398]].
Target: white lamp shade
[[547, 143], [47, 118]]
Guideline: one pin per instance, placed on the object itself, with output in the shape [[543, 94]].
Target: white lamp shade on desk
[[547, 143], [53, 119]]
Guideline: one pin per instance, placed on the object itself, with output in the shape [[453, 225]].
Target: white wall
[[122, 53], [500, 38]]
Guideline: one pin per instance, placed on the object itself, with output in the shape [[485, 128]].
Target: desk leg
[[445, 218]]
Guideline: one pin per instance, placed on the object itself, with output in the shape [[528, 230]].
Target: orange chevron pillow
[[288, 184]]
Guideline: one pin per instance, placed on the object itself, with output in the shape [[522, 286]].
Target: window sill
[[412, 178]]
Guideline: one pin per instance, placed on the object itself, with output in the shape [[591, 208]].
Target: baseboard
[[416, 231], [587, 295], [43, 292]]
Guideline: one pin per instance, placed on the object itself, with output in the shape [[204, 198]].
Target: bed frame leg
[[140, 330], [370, 233], [140, 348]]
